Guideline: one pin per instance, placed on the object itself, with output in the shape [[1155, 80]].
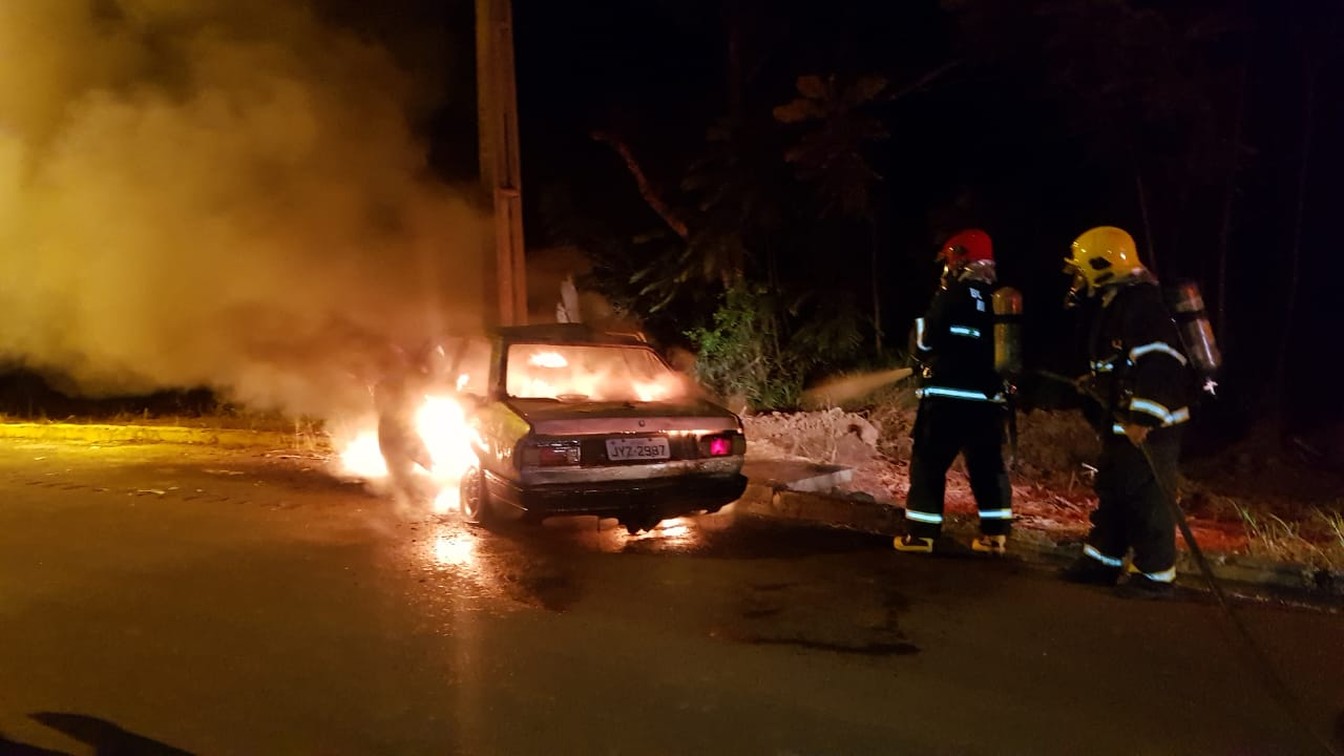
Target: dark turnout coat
[[961, 410], [955, 342], [1140, 372], [1140, 377]]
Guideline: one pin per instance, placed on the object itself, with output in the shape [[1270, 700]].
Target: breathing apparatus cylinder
[[1007, 303], [1192, 321]]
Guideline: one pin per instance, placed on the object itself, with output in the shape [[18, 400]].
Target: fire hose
[[1256, 657]]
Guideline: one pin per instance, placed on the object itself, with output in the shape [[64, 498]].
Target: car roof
[[566, 333]]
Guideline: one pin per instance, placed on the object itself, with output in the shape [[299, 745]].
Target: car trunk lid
[[550, 417]]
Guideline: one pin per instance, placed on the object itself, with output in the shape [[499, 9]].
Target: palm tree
[[832, 154]]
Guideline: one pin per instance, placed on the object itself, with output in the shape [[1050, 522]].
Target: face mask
[[1077, 288]]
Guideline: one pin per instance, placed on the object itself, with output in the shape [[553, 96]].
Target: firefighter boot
[[996, 545], [1089, 571], [913, 544], [1140, 586]]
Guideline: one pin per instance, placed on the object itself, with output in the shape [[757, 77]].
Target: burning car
[[572, 421]]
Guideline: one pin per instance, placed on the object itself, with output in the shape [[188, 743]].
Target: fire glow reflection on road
[[454, 549], [463, 570], [679, 534]]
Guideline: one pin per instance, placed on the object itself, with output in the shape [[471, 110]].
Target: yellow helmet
[[1102, 255]]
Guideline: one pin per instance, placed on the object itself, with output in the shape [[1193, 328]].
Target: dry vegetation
[[1246, 500]]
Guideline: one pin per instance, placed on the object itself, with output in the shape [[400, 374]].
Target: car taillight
[[722, 445], [552, 454]]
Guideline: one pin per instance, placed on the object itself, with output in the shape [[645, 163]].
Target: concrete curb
[[865, 514], [849, 512], [148, 434]]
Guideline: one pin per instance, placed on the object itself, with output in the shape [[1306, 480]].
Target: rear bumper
[[665, 497]]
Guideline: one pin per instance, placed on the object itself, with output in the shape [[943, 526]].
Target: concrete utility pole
[[501, 174]]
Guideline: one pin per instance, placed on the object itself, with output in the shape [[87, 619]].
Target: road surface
[[168, 599]]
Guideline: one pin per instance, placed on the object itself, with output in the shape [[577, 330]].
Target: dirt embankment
[[1246, 500]]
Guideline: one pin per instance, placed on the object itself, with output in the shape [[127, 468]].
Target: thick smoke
[[216, 192]]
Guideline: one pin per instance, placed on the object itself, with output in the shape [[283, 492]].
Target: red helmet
[[971, 245]]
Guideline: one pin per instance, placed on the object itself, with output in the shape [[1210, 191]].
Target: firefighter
[[1139, 381], [962, 400]]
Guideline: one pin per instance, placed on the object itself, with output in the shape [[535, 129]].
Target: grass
[[229, 428], [1276, 538], [311, 435], [224, 417], [1334, 524]]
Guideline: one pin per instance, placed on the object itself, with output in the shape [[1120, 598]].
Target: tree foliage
[[833, 153], [1144, 91], [762, 347], [1034, 119], [712, 266]]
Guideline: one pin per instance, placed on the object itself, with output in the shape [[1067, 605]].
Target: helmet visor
[[953, 252]]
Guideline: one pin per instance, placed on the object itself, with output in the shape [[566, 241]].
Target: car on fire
[[573, 421]]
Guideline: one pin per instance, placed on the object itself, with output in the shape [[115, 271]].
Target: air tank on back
[[1192, 321], [1007, 303]]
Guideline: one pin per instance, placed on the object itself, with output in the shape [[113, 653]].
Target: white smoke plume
[[219, 193]]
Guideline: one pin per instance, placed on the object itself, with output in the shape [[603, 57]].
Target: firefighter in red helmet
[[962, 400]]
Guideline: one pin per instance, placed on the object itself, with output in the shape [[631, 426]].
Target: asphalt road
[[161, 599]]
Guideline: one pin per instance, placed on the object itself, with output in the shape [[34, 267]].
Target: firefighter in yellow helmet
[[1138, 377]]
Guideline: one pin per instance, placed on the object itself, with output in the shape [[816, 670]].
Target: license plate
[[637, 449]]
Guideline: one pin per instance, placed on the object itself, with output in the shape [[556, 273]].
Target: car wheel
[[476, 507]]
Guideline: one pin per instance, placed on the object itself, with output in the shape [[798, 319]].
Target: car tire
[[476, 506]]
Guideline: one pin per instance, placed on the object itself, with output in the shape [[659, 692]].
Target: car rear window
[[598, 373]]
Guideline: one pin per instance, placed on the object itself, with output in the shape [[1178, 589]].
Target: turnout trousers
[[944, 428], [1132, 508]]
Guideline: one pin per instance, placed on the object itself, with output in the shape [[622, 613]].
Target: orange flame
[[442, 425], [594, 373]]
